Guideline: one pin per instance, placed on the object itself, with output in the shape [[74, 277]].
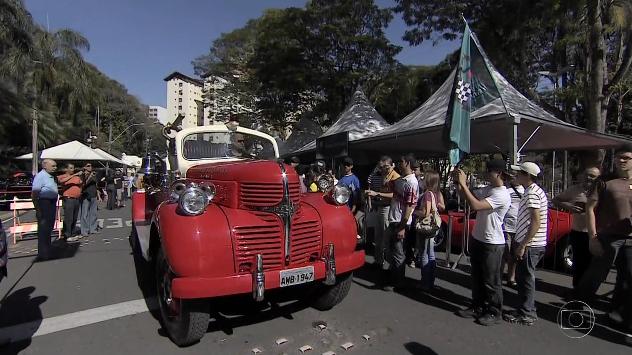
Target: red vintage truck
[[230, 219]]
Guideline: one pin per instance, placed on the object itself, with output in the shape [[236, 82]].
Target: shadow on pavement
[[415, 348], [64, 250], [23, 315], [238, 311]]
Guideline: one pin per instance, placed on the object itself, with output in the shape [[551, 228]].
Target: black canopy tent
[[509, 124], [359, 120]]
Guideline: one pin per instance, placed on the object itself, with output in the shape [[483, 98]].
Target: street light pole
[[34, 166]]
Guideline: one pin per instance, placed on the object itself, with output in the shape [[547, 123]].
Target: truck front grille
[[305, 240], [265, 239], [257, 194]]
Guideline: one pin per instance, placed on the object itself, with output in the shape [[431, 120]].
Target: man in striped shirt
[[530, 241]]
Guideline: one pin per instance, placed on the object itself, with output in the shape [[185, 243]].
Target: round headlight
[[325, 182], [193, 201], [340, 195], [209, 190]]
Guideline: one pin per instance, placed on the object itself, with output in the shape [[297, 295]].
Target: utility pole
[[110, 138], [34, 166], [109, 145]]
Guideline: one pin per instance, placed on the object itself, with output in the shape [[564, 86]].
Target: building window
[[180, 84], [180, 93], [180, 100], [180, 108]]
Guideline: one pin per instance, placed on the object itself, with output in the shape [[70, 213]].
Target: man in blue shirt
[[350, 181], [45, 194]]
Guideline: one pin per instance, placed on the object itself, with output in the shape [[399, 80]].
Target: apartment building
[[184, 96], [158, 114]]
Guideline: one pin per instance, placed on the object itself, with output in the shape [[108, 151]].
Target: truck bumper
[[203, 287]]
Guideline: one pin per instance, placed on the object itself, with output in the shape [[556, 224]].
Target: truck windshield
[[224, 145]]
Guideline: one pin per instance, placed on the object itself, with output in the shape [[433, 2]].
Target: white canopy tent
[[74, 150], [110, 157]]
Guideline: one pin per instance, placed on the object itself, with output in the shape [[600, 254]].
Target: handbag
[[428, 227]]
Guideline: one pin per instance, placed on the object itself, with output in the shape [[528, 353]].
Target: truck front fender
[[195, 245]]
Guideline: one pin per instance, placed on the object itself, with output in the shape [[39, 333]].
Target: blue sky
[[139, 42]]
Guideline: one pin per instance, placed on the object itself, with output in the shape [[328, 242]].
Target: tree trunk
[[596, 68], [596, 102]]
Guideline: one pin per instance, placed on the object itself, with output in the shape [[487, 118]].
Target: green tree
[[44, 72], [584, 46]]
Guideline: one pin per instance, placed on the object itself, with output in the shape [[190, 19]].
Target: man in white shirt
[[530, 242], [488, 244]]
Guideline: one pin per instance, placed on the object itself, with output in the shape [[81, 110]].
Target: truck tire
[[185, 321], [564, 256], [328, 296]]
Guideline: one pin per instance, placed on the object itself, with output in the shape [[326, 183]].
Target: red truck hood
[[261, 171]]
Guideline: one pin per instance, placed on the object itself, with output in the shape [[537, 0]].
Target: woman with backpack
[[428, 226]]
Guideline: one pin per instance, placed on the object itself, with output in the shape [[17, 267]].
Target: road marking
[[117, 223], [75, 320]]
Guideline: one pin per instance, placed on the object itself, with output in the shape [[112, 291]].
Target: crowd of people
[[404, 203], [510, 234], [81, 191]]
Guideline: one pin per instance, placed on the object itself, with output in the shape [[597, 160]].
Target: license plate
[[297, 276]]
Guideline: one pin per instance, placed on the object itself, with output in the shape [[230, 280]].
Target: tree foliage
[[581, 47], [43, 74], [305, 61]]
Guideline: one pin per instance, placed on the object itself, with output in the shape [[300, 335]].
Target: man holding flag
[[474, 87]]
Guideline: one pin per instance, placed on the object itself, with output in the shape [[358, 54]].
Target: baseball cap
[[528, 167], [497, 165], [295, 160], [347, 161]]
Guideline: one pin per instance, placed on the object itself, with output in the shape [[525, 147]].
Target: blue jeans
[[525, 278], [88, 215], [428, 263]]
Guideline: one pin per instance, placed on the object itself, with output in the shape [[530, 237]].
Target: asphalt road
[[89, 302]]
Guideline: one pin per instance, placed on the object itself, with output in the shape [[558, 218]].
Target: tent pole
[[553, 176], [565, 171], [513, 142], [528, 139]]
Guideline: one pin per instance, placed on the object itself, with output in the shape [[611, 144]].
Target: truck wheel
[[186, 321], [329, 296], [565, 256]]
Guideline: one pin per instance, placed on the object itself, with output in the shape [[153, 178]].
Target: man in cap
[[350, 181], [488, 243], [530, 241]]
